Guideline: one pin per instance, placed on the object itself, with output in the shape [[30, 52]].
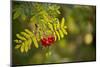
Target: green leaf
[[33, 19], [58, 11], [16, 15], [23, 16]]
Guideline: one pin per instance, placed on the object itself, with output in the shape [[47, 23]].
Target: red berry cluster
[[47, 41]]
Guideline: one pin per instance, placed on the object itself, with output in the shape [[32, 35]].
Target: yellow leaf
[[50, 26], [29, 43], [17, 46], [64, 31], [26, 46], [29, 32], [17, 41], [22, 48], [55, 26], [61, 34], [58, 25], [49, 31], [35, 41], [25, 34], [57, 35], [62, 22], [20, 37]]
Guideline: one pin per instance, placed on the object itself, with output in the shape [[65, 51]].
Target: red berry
[[51, 39], [47, 41], [44, 42]]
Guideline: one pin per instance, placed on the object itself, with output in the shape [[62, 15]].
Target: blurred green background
[[78, 45]]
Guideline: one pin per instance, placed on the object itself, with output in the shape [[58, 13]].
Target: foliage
[[25, 40], [43, 21], [78, 45]]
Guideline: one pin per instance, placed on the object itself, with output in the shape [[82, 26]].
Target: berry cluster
[[47, 41]]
